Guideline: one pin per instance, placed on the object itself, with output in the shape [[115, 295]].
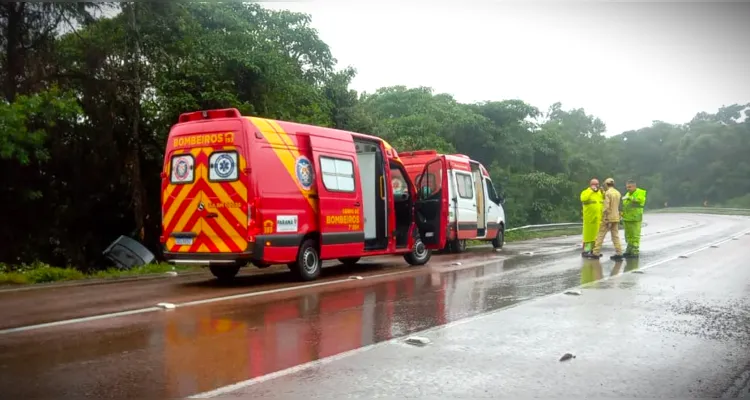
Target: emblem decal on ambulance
[[224, 166], [201, 206], [304, 170], [181, 172]]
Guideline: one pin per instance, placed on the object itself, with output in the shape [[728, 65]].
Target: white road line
[[205, 301], [79, 320], [254, 381]]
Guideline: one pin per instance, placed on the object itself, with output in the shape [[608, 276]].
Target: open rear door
[[432, 204]]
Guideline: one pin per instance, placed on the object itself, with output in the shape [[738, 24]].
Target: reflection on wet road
[[199, 348]]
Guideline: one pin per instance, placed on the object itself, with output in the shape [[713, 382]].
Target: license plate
[[183, 241]]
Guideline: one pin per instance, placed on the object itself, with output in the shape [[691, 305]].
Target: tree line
[[91, 89]]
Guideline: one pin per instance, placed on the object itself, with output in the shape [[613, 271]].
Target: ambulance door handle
[[312, 196], [356, 204]]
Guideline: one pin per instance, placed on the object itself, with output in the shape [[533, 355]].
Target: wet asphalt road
[[201, 347]]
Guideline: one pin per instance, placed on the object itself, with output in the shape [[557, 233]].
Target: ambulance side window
[[465, 184], [338, 174]]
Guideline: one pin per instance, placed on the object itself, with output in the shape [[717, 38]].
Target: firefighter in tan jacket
[[610, 222]]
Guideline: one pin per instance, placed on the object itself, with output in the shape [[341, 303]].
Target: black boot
[[617, 257]]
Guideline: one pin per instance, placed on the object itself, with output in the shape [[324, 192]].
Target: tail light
[[252, 224]]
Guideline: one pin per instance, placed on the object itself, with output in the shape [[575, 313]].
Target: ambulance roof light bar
[[210, 114]]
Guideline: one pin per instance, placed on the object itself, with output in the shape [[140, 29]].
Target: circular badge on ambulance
[[304, 170], [224, 166], [181, 170]]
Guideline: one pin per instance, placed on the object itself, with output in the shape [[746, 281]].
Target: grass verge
[[26, 274]]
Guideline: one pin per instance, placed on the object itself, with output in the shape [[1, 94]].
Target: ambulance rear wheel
[[349, 261], [419, 255], [224, 273], [308, 265]]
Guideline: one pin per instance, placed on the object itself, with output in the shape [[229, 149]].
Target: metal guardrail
[[715, 210], [544, 227], [709, 210]]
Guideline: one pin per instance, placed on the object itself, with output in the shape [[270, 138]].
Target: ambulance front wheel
[[419, 255], [499, 239], [308, 264], [224, 273]]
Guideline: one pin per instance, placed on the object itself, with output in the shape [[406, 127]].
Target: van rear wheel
[[419, 255], [224, 273], [308, 264]]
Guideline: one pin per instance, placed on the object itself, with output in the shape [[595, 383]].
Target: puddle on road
[[248, 342], [197, 349]]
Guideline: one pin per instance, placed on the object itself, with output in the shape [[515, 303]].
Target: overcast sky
[[627, 63]]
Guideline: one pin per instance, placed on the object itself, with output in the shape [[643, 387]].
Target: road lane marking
[[302, 367], [79, 320], [161, 307]]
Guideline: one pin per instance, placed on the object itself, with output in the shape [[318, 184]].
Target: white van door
[[466, 204]]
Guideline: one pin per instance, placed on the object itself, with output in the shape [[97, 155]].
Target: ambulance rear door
[[432, 203]]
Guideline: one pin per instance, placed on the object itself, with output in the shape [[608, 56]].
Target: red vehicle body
[[244, 189], [458, 200]]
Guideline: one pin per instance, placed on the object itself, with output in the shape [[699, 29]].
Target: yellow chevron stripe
[[180, 225], [206, 228]]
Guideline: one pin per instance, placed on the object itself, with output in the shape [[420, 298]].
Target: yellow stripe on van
[[223, 247], [286, 151]]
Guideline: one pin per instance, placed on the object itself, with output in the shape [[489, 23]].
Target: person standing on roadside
[[632, 217], [592, 200], [610, 222]]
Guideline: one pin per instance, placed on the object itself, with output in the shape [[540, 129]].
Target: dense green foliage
[[86, 112]]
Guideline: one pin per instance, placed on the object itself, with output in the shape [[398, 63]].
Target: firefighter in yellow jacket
[[592, 200], [632, 217], [610, 222]]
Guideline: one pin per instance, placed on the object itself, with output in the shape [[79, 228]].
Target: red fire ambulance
[[244, 189], [457, 200]]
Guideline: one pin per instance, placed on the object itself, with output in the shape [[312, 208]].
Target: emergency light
[[210, 114]]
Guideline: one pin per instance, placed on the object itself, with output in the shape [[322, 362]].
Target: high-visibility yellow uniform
[[592, 202], [632, 218]]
